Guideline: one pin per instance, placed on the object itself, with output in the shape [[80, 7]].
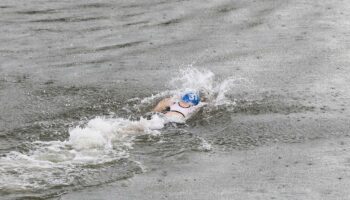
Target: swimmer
[[179, 109]]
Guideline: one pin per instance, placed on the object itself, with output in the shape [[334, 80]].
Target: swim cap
[[191, 97]]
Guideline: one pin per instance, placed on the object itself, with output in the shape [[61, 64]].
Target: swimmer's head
[[191, 98]]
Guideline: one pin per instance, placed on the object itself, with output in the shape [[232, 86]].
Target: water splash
[[100, 143], [193, 79], [230, 90], [96, 145], [215, 91]]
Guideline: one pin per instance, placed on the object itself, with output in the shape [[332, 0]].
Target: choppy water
[[78, 78]]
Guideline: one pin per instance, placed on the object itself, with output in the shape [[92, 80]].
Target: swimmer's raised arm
[[162, 105]]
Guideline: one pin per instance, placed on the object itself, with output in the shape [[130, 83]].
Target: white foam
[[48, 164], [205, 146], [191, 78], [231, 85], [105, 139], [156, 96], [216, 92], [155, 123]]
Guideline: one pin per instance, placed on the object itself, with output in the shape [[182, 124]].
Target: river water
[[78, 79]]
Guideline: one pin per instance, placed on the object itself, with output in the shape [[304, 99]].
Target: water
[[100, 150], [99, 145], [78, 80]]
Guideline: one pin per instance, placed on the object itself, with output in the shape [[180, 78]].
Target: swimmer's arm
[[162, 105]]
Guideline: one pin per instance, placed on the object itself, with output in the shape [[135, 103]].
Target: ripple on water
[[103, 149]]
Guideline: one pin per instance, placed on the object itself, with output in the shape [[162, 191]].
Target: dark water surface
[[76, 76]]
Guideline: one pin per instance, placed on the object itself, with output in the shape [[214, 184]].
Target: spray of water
[[215, 91], [58, 163], [193, 79], [105, 139]]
